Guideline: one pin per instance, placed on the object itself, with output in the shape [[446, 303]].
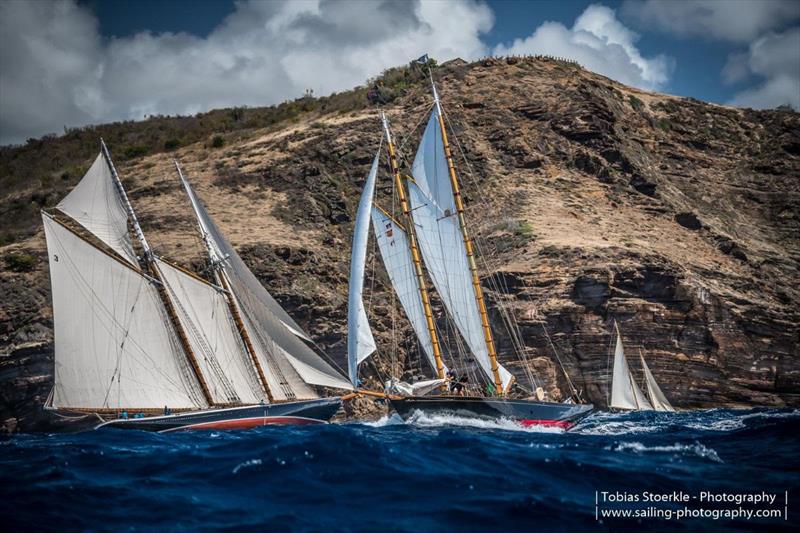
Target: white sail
[[220, 353], [625, 393], [273, 332], [360, 343], [441, 243], [97, 206], [657, 398], [396, 255], [113, 348], [420, 388]]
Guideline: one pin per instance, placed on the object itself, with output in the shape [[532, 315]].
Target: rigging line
[[573, 390], [609, 378]]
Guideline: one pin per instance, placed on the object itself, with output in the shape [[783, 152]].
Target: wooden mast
[[476, 282], [222, 281], [412, 241], [160, 286]]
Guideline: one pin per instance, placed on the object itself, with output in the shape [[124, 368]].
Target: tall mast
[[412, 241], [222, 280], [160, 286], [476, 282]]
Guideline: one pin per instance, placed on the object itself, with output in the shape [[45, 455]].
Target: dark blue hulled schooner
[[144, 344]]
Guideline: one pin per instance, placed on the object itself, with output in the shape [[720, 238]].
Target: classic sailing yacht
[[625, 393], [433, 231], [136, 336]]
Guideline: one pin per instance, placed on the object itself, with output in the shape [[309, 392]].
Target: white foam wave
[[384, 421], [677, 449], [427, 420], [247, 464]]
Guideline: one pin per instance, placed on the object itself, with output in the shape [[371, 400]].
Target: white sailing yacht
[[625, 393], [137, 337], [433, 233]]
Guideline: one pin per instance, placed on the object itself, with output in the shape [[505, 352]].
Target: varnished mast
[[160, 286], [412, 241], [476, 283], [222, 281]]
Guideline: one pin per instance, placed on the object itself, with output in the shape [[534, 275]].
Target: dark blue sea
[[436, 474]]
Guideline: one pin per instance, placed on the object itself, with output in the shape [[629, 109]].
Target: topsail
[[659, 401]]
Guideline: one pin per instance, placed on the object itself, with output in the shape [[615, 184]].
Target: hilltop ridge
[[596, 201]]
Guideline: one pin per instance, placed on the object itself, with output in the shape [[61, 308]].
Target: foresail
[[625, 394], [96, 205], [657, 398], [113, 346], [396, 254], [221, 355], [360, 342], [442, 246]]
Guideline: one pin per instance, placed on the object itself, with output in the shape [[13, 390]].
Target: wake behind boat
[[138, 338]]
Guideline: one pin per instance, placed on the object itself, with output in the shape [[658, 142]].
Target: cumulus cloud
[[730, 20], [776, 59], [57, 70], [600, 42]]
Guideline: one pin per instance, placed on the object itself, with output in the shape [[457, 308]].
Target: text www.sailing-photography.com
[[422, 265]]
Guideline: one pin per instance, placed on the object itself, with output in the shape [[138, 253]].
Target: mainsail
[[360, 342], [113, 347], [657, 398], [441, 241], [396, 255], [288, 364], [625, 393]]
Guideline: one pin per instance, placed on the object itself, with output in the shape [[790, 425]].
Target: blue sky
[[73, 62]]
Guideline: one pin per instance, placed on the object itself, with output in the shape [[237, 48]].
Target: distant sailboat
[[625, 393], [138, 337], [433, 232]]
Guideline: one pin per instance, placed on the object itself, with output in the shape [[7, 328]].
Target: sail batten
[[113, 348], [360, 342]]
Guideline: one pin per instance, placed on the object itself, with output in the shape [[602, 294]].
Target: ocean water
[[433, 474]]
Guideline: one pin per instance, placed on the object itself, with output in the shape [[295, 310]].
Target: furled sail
[[625, 393], [96, 205], [113, 346], [279, 348], [360, 343], [657, 398], [396, 255], [205, 317], [441, 242]]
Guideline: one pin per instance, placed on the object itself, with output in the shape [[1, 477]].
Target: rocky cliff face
[[594, 202]]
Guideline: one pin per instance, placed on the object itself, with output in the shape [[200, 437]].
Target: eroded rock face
[[593, 202]]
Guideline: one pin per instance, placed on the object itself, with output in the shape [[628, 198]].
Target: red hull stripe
[[557, 423], [247, 423]]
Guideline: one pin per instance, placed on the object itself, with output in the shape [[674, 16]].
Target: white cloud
[[600, 42], [56, 69], [776, 59], [728, 20]]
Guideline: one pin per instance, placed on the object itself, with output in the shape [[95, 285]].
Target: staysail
[[396, 255], [442, 243], [625, 393], [113, 346], [657, 398], [96, 205], [360, 342]]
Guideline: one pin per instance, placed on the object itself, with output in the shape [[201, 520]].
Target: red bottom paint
[[247, 423], [557, 423]]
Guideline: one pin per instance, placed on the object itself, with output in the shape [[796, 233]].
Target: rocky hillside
[[594, 202]]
